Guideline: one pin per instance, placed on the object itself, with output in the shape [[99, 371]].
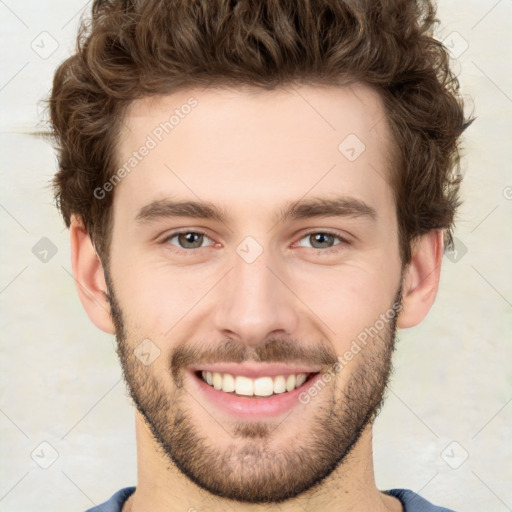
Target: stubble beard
[[249, 469]]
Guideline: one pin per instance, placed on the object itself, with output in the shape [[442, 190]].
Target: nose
[[255, 302]]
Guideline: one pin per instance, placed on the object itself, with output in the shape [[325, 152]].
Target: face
[[287, 263]]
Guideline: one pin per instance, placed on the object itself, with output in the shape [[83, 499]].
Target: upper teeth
[[263, 386]]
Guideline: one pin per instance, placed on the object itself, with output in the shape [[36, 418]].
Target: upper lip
[[255, 370]]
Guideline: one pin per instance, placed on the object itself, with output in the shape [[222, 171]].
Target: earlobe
[[89, 277], [421, 279]]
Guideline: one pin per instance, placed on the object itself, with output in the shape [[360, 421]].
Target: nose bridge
[[254, 302]]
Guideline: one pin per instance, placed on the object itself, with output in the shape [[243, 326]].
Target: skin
[[251, 153]]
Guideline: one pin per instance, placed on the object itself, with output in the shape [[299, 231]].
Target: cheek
[[346, 300], [158, 296], [341, 300]]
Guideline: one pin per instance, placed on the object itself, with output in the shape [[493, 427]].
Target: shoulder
[[115, 503], [413, 502]]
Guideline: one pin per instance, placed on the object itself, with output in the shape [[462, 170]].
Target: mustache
[[275, 350]]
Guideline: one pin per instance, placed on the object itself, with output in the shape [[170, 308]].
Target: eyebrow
[[296, 210]]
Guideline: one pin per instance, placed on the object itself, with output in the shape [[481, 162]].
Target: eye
[[322, 240], [187, 239]]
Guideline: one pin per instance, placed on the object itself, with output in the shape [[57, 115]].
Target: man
[[258, 196]]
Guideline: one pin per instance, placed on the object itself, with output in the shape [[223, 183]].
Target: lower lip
[[253, 407]]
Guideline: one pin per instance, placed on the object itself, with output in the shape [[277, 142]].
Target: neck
[[161, 487]]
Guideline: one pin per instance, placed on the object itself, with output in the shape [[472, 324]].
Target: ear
[[89, 277], [421, 279]]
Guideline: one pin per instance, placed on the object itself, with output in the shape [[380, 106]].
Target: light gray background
[[450, 396]]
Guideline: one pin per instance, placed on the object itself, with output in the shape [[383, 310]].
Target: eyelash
[[319, 252]]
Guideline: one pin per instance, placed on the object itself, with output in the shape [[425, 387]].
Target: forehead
[[293, 111], [248, 146]]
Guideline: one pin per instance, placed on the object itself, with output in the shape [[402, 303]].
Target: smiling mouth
[[261, 387]]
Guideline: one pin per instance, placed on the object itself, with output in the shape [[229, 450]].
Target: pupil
[[319, 236], [189, 239]]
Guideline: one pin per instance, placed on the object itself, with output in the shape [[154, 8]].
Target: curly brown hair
[[130, 49]]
